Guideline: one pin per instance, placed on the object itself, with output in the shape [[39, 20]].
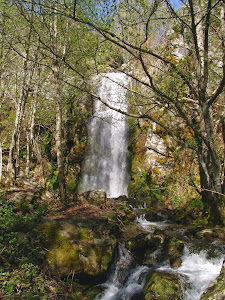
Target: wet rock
[[216, 290], [135, 239], [162, 285], [175, 251]]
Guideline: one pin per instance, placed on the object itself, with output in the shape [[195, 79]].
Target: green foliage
[[197, 203], [47, 143], [19, 235], [21, 251], [24, 283], [54, 180], [157, 193]]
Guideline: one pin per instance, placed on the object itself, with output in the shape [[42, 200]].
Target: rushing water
[[199, 271], [106, 164], [126, 281]]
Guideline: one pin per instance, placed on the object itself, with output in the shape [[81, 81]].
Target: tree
[[62, 50], [196, 76], [179, 69], [28, 70]]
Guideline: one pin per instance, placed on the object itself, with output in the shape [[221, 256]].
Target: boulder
[[175, 251], [216, 291], [83, 247], [96, 197], [162, 285]]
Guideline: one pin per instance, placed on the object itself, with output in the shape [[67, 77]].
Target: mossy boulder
[[161, 286], [216, 290], [175, 251], [95, 197], [125, 213], [79, 246], [135, 238]]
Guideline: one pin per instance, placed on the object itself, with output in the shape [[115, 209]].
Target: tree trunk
[[58, 134], [58, 101], [13, 163], [212, 196], [210, 170], [1, 144], [13, 150], [30, 134]]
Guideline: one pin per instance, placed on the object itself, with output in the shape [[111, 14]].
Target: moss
[[96, 259], [92, 293], [137, 148], [62, 252], [175, 251], [85, 234], [77, 249], [106, 259], [162, 286]]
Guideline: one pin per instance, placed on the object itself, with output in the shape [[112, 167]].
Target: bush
[[20, 241], [21, 252]]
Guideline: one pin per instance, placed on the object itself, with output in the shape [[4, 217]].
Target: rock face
[[80, 246], [216, 290], [96, 197], [162, 285]]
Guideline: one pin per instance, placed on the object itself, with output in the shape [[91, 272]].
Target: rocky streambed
[[108, 246]]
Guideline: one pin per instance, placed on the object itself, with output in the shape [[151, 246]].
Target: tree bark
[[58, 133], [210, 168], [58, 102], [1, 144], [13, 162], [30, 133]]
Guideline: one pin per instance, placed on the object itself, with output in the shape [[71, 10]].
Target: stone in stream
[[162, 286]]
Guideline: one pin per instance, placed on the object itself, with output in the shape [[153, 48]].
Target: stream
[[196, 272]]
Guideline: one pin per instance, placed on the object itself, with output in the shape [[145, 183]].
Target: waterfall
[[125, 282], [106, 164]]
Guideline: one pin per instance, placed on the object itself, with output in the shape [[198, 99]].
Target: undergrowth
[[21, 252]]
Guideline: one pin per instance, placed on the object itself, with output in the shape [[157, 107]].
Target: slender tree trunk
[[30, 134], [13, 150], [58, 134], [223, 133], [1, 144], [13, 162], [58, 102]]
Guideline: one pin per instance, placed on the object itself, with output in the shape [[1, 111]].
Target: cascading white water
[[197, 270], [200, 272], [106, 164], [124, 283]]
